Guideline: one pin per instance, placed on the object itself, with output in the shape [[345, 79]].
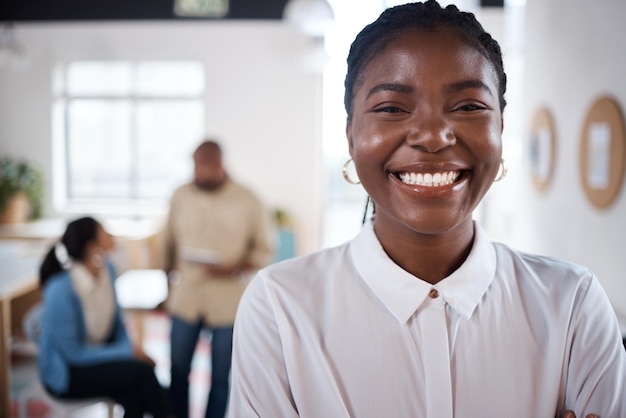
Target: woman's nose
[[430, 133]]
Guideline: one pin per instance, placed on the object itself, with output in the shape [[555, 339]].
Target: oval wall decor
[[602, 152], [542, 149]]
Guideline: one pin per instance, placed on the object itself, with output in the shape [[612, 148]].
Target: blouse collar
[[402, 293]]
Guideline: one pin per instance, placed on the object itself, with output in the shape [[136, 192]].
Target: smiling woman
[[421, 314]]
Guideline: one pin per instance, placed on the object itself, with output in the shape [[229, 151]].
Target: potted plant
[[285, 237], [21, 191]]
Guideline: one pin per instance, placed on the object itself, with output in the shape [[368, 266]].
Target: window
[[127, 131]]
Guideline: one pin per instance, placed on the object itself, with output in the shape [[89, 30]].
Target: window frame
[[133, 204]]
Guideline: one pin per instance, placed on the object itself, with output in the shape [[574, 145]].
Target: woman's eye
[[471, 107], [388, 109]]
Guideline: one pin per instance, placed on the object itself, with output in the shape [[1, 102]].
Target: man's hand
[[570, 414], [224, 270], [221, 270]]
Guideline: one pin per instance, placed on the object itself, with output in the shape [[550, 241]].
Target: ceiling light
[[312, 17], [201, 8], [12, 54]]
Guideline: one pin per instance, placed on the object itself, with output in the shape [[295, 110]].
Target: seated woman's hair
[[71, 246]]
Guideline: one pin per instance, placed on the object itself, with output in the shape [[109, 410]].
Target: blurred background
[[107, 100]]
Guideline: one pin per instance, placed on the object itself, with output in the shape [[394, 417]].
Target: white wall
[[573, 52], [260, 102]]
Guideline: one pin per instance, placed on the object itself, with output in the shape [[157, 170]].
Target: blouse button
[[433, 294]]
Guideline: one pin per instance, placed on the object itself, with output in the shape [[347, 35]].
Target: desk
[[46, 229], [19, 290], [140, 291], [22, 247], [137, 239]]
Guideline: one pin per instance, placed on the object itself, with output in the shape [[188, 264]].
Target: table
[[22, 247], [45, 229], [140, 291], [137, 239], [19, 290]]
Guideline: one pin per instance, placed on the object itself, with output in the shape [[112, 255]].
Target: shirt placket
[[436, 352]]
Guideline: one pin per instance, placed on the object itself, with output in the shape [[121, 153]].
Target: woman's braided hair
[[428, 15]]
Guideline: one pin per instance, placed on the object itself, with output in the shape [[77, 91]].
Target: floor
[[156, 344]]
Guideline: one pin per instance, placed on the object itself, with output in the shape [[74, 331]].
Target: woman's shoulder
[[57, 282], [544, 267], [58, 287], [301, 281], [314, 266]]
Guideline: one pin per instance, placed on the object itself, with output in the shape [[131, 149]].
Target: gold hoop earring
[[346, 175], [502, 171]]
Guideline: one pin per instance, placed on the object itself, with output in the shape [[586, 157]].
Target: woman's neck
[[431, 258], [93, 270]]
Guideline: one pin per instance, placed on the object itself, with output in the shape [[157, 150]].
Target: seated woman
[[85, 350]]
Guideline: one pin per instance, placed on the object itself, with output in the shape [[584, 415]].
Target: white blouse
[[346, 332], [97, 300]]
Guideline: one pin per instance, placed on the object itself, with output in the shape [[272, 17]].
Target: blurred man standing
[[217, 234]]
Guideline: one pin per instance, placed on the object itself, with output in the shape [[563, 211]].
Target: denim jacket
[[63, 334]]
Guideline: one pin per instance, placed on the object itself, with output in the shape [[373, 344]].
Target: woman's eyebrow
[[467, 84], [397, 87], [451, 88]]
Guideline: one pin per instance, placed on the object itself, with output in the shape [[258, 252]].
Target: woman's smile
[[429, 179], [438, 186]]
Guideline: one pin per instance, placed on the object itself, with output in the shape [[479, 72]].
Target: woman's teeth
[[429, 179]]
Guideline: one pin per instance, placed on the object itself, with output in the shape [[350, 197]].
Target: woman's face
[[104, 240], [425, 134]]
